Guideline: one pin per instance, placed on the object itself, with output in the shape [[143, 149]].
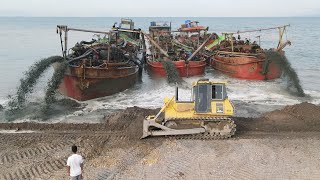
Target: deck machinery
[[207, 114]]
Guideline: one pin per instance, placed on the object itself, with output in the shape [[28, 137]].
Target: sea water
[[25, 40]]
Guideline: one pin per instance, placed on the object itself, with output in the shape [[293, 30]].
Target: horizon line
[[161, 16]]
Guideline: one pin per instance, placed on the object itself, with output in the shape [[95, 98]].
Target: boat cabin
[[126, 24], [159, 28]]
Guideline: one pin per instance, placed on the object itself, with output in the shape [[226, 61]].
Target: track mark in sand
[[176, 169], [45, 136], [105, 174], [132, 156], [38, 170], [30, 152], [32, 137], [180, 163]]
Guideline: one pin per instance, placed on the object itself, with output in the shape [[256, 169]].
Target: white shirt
[[74, 161]]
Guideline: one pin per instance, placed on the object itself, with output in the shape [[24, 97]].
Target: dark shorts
[[76, 177]]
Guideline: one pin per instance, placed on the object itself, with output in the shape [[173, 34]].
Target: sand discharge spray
[[17, 102], [293, 83], [172, 72]]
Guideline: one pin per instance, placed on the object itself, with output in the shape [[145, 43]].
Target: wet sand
[[282, 144]]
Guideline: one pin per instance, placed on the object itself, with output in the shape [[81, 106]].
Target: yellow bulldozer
[[207, 114]]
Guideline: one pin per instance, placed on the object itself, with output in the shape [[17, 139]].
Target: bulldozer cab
[[204, 92]]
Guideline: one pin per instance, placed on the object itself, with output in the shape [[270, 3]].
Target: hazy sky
[[176, 8]]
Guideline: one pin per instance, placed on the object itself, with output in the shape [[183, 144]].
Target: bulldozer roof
[[207, 81]]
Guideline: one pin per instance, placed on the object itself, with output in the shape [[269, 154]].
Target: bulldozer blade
[[165, 130]]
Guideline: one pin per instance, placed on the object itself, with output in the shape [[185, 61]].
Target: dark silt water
[[293, 82]]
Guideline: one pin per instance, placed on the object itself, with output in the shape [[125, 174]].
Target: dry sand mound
[[299, 117], [130, 120]]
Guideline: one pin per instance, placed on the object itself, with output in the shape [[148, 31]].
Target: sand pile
[[299, 117], [130, 120], [304, 117]]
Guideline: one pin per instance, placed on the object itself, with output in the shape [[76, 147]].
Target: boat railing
[[238, 54]]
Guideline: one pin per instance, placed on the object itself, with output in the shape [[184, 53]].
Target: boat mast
[[229, 37], [281, 32], [259, 39]]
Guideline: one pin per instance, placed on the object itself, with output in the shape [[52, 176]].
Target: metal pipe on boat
[[202, 45], [65, 42], [85, 30], [87, 53], [61, 41], [255, 30], [109, 39], [144, 48], [126, 30], [155, 44], [283, 45]]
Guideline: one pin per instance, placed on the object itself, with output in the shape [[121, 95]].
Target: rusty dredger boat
[[183, 49], [246, 60], [103, 66]]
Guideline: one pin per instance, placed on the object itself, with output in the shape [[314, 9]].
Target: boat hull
[[89, 83], [193, 68], [193, 29], [246, 67]]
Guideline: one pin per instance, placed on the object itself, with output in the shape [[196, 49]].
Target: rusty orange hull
[[193, 68], [193, 29], [246, 67], [89, 83]]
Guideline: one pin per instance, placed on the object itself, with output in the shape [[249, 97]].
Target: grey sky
[[163, 8]]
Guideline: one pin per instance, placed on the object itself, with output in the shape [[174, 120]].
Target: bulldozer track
[[34, 171], [42, 152], [206, 135], [213, 119], [131, 157], [31, 152], [62, 135], [203, 136]]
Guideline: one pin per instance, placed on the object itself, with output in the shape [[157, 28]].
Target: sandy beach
[[282, 144]]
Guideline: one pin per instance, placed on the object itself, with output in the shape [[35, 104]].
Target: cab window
[[217, 92]]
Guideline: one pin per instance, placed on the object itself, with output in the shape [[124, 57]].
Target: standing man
[[75, 164]]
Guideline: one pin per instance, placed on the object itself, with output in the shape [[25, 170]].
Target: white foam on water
[[314, 96], [151, 92], [3, 102]]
